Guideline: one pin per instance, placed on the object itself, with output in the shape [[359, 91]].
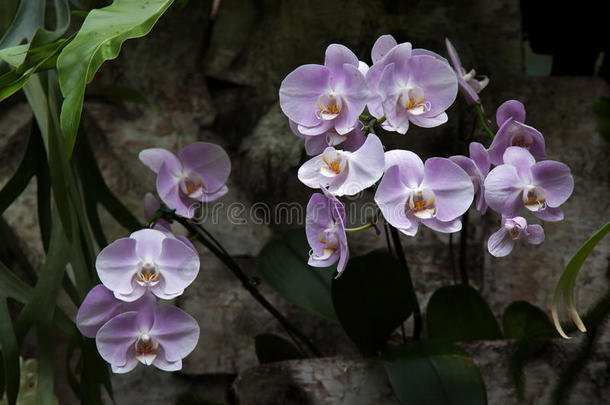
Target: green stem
[[202, 236], [360, 228], [483, 121]]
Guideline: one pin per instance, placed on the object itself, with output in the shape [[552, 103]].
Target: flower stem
[[203, 237], [483, 122], [400, 254], [360, 228]]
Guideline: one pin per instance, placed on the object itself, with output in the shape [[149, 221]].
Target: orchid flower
[[521, 182], [148, 260], [477, 167], [435, 193], [325, 229], [501, 242], [512, 131], [412, 85], [320, 97], [469, 85], [100, 305], [315, 144], [198, 176], [157, 335], [343, 172]]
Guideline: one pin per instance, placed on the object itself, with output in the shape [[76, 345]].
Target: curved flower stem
[[360, 228], [247, 283], [483, 122], [417, 320]]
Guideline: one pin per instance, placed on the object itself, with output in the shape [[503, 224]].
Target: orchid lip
[[421, 204], [534, 198], [329, 106], [191, 187], [147, 275], [146, 349], [333, 163], [413, 100]]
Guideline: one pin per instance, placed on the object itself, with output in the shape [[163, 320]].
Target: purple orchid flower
[[512, 131], [100, 305], [541, 187], [412, 85], [501, 242], [435, 193], [477, 167], [157, 335], [198, 176], [321, 97], [315, 144], [343, 172], [148, 259], [151, 205], [469, 85], [325, 229]]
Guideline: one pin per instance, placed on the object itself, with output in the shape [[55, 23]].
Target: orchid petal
[[155, 157], [299, 93], [556, 180]]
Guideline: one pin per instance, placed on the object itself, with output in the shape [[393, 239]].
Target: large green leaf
[[524, 320], [22, 176], [565, 285], [10, 355], [29, 21], [271, 348], [434, 373], [8, 8], [283, 264], [99, 39], [459, 313], [371, 299]]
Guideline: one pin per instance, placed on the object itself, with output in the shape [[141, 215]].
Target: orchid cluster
[[335, 107], [123, 313]]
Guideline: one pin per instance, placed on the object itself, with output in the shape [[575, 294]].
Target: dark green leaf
[[522, 319], [8, 8], [459, 313], [99, 39], [434, 373], [283, 264], [28, 19], [10, 354], [271, 348], [371, 299]]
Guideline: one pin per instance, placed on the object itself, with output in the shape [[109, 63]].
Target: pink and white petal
[[556, 180], [443, 226], [146, 318], [452, 186], [480, 156], [436, 78], [132, 363], [176, 332], [299, 93], [319, 129], [510, 109], [209, 161], [364, 168], [537, 147], [209, 197], [354, 141], [411, 166], [163, 364], [411, 230], [453, 55], [137, 291], [116, 336], [355, 96], [151, 205], [159, 292], [500, 142], [310, 175], [382, 46], [521, 160], [169, 191], [426, 52], [399, 55], [148, 243], [343, 253], [363, 67], [98, 307], [504, 190], [535, 234], [500, 243], [116, 265], [336, 56], [428, 122], [391, 197], [550, 214], [155, 157], [187, 242], [178, 265]]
